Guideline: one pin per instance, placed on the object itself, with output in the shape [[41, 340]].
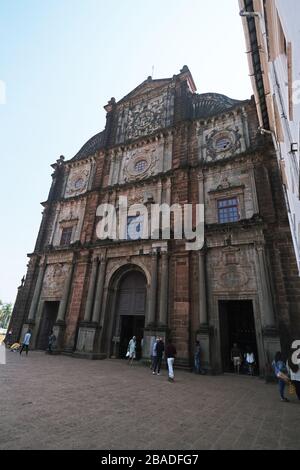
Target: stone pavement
[[58, 402]]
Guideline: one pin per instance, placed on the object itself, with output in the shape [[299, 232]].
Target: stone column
[[37, 293], [152, 291], [264, 288], [202, 290], [163, 300], [253, 189], [91, 291], [203, 331], [168, 191], [112, 169], [59, 327], [99, 292], [201, 187], [64, 301], [202, 255], [270, 337]]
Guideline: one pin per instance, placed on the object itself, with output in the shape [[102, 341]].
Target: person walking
[[131, 351], [197, 353], [51, 342], [153, 353], [160, 347], [250, 361], [294, 373], [236, 358], [9, 338], [170, 355], [281, 374], [26, 342]]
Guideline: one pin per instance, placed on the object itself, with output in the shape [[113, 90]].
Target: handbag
[[282, 376], [127, 354], [292, 389]]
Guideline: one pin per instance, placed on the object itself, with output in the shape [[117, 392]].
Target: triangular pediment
[[146, 87]]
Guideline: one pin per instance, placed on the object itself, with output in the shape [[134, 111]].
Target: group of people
[[247, 359], [26, 342], [158, 350], [287, 373]]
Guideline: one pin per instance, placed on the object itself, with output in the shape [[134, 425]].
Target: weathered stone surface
[[79, 404]]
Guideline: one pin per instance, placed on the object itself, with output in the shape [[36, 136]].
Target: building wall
[[278, 36], [200, 159]]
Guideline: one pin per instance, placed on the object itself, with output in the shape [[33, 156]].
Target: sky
[[60, 63]]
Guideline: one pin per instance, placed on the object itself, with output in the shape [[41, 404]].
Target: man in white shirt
[[26, 341]]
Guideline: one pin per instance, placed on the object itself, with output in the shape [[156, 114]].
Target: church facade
[[165, 144]]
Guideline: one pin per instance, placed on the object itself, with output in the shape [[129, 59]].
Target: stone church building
[[164, 143]]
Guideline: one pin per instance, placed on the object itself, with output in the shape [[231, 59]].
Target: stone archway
[[128, 300]]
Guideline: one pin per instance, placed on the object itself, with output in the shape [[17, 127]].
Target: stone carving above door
[[54, 280], [233, 278]]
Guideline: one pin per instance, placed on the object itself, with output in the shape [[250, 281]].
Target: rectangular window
[[228, 210], [66, 236]]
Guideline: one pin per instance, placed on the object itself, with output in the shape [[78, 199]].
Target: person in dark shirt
[[170, 355], [197, 355], [51, 342], [160, 347]]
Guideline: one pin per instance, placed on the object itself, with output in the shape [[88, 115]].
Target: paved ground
[[57, 402]]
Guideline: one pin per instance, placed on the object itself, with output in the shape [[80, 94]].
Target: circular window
[[79, 183], [140, 166], [223, 143]]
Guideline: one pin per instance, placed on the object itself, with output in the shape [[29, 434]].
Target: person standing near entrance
[[197, 354], [236, 358], [160, 347], [51, 342], [26, 342], [131, 350], [153, 354], [9, 338], [170, 355], [250, 361]]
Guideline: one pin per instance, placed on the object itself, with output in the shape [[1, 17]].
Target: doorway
[[237, 326], [130, 313], [131, 326], [47, 323]]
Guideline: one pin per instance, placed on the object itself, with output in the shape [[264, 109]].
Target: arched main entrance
[[130, 312]]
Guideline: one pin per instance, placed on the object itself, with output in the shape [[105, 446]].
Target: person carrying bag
[[281, 374]]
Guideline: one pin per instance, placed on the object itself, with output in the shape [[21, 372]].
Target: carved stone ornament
[[220, 143], [54, 278], [143, 119], [233, 278], [140, 163], [77, 181]]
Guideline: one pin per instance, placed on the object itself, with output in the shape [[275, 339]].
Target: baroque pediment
[[145, 87]]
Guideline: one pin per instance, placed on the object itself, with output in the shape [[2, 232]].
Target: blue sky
[[62, 60]]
